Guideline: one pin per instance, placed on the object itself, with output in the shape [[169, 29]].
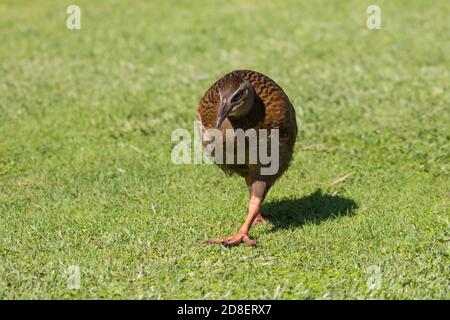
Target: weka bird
[[245, 99]]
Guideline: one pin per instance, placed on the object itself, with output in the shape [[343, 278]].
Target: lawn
[[87, 187]]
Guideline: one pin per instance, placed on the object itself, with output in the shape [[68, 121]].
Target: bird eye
[[237, 96]]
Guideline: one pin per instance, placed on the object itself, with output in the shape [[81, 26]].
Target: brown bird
[[245, 99]]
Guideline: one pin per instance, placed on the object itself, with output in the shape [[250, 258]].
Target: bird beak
[[222, 113]]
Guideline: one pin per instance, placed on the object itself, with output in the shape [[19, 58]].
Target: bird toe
[[260, 218], [249, 241], [220, 240], [238, 239]]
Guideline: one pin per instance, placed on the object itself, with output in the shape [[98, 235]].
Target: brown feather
[[271, 110]]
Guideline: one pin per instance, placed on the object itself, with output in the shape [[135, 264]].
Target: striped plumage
[[260, 104]]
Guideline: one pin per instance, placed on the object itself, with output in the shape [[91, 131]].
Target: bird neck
[[253, 118]]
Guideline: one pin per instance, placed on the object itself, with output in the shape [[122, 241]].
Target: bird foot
[[235, 240], [261, 218]]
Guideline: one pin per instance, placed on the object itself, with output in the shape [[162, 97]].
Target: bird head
[[236, 99]]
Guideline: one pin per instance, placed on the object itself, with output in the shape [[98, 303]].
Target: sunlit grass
[[86, 179]]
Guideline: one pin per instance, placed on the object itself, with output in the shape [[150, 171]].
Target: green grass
[[86, 179]]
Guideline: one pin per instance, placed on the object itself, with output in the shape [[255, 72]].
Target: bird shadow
[[314, 208]]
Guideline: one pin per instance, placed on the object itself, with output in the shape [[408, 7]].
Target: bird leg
[[258, 191], [261, 217]]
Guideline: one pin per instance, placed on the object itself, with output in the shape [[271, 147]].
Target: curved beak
[[222, 113]]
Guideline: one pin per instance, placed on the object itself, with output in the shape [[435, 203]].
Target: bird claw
[[235, 240]]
